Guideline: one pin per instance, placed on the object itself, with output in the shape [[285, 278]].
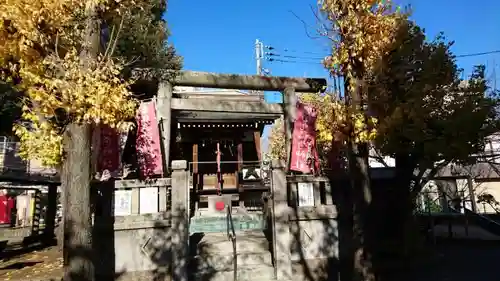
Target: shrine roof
[[224, 117], [219, 94], [220, 105]]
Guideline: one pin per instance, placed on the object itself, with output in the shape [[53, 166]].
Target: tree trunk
[[360, 196], [77, 212], [64, 204], [399, 215], [361, 199], [77, 245]]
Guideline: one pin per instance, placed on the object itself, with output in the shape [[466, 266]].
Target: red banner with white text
[[304, 156]]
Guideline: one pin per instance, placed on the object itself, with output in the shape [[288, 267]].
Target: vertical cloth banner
[[4, 209], [109, 151], [148, 140], [304, 156]]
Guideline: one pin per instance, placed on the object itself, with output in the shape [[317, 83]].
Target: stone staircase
[[214, 259]]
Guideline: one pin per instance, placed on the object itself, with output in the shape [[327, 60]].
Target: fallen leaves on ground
[[37, 265]]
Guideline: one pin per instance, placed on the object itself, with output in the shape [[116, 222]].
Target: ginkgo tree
[[427, 117], [361, 32], [95, 96], [68, 57]]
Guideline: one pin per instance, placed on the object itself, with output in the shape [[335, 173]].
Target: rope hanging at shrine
[[219, 175]]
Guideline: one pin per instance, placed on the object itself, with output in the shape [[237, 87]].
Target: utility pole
[[259, 54]]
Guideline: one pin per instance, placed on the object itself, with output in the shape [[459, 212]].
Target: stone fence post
[[280, 218], [180, 220]]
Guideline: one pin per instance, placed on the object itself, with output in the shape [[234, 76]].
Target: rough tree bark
[[64, 204], [359, 197], [399, 215], [77, 246], [77, 214]]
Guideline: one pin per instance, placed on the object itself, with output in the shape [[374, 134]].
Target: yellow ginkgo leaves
[[94, 94], [40, 41], [364, 31]]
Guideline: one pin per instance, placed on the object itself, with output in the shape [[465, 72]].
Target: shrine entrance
[[216, 158], [229, 192], [225, 169]]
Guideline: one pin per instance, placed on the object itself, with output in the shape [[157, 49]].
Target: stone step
[[246, 242], [259, 273], [225, 262]]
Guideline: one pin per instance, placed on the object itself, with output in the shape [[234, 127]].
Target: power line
[[302, 52], [292, 57], [270, 47], [291, 61], [478, 54], [286, 50]]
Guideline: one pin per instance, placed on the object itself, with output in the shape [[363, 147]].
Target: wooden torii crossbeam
[[231, 81]]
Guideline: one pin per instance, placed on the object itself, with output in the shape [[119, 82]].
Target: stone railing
[[305, 235], [132, 220], [137, 197]]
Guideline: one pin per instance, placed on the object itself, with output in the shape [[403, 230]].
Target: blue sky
[[219, 36]]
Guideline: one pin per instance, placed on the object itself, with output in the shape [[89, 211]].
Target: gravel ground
[[454, 261]]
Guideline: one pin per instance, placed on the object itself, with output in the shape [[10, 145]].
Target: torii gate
[[180, 196], [168, 79]]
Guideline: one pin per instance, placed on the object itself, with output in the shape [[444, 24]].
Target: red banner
[[109, 151], [304, 156], [148, 140], [6, 206]]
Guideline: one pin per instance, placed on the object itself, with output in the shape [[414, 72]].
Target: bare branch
[[56, 47], [306, 26], [110, 49], [116, 38], [324, 31], [132, 61], [109, 43]]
